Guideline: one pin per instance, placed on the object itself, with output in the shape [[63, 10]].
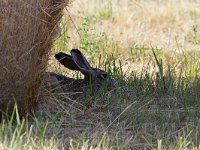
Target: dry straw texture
[[26, 28]]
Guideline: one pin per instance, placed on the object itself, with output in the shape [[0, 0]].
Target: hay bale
[[26, 28]]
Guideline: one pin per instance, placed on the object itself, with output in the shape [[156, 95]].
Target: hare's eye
[[104, 75]]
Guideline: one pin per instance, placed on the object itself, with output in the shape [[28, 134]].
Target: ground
[[151, 48]]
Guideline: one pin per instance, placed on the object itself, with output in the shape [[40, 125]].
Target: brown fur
[[26, 29]]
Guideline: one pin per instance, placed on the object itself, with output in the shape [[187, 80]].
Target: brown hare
[[94, 78]]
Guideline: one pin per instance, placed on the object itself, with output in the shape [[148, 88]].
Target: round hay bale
[[26, 28]]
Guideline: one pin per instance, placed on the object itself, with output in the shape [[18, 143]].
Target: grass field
[[152, 49]]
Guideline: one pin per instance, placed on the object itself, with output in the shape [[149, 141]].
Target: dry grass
[[141, 23], [26, 29]]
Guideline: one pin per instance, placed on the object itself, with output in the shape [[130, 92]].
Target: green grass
[[156, 105], [16, 133]]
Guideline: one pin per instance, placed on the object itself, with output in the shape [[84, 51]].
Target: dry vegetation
[[142, 23], [26, 38], [152, 49]]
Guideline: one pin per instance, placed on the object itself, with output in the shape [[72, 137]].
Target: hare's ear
[[67, 61], [81, 61]]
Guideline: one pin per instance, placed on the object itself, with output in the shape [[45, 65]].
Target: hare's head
[[77, 61]]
